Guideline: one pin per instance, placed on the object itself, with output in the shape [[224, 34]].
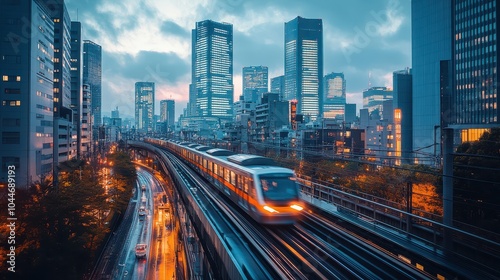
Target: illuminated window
[[5, 78], [18, 78]]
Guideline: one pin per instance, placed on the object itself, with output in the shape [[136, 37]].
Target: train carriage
[[267, 192]]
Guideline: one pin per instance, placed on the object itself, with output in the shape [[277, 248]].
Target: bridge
[[340, 235]]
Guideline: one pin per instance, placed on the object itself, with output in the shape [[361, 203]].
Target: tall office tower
[[374, 97], [26, 114], [92, 75], [167, 113], [191, 106], [86, 125], [64, 147], [403, 116], [76, 63], [350, 113], [304, 65], [431, 43], [475, 64], [334, 96], [255, 82], [144, 106], [213, 57], [278, 86]]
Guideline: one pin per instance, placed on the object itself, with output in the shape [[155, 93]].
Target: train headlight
[[297, 207], [270, 209]]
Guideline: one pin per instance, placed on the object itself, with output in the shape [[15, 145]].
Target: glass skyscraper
[[334, 96], [255, 82], [403, 116], [475, 62], [278, 85], [374, 97], [92, 72], [144, 106], [431, 43], [76, 63], [304, 65], [167, 113], [213, 70]]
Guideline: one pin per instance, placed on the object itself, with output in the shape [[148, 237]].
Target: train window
[[245, 185], [278, 187], [250, 187], [226, 174], [216, 168], [239, 181], [205, 163], [233, 178]]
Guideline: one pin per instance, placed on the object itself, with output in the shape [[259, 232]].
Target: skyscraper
[[92, 71], [278, 86], [64, 147], [374, 97], [167, 113], [475, 61], [350, 113], [144, 106], [213, 70], [402, 81], [255, 82], [76, 64], [27, 71], [304, 65], [334, 97], [431, 43]]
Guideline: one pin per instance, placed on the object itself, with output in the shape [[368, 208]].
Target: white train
[[266, 191]]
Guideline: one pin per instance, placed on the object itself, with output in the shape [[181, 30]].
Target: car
[[140, 250]]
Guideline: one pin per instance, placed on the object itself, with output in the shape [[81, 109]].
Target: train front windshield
[[278, 187]]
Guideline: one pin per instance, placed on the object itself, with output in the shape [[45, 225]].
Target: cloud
[[171, 28], [151, 40]]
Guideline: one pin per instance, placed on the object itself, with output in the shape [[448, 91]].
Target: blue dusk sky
[[150, 40]]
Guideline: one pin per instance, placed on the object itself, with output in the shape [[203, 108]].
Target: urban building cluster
[[51, 91], [451, 88]]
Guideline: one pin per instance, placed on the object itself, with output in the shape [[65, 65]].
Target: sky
[[150, 40]]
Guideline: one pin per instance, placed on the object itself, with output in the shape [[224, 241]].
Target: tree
[[477, 181], [60, 229]]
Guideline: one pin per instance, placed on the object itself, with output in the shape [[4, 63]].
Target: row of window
[[239, 181], [7, 78]]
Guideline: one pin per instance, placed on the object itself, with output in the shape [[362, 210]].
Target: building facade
[[374, 97], [255, 82], [76, 67], [92, 75], [431, 43], [475, 101], [65, 145], [278, 85], [26, 92], [403, 114], [144, 106], [213, 70], [86, 125], [334, 96], [167, 114], [304, 65]]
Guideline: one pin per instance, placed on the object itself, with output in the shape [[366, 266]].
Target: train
[[265, 191]]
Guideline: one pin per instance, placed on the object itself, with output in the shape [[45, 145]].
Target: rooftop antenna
[[76, 14], [369, 79]]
